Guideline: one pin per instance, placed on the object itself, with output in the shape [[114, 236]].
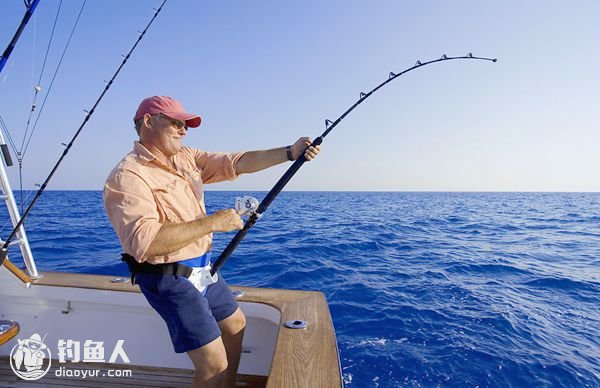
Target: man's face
[[167, 134]]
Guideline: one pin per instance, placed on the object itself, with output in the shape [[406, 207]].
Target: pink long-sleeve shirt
[[141, 194]]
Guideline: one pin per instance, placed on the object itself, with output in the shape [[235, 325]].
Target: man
[[154, 199]]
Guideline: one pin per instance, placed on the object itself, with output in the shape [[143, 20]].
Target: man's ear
[[147, 120]]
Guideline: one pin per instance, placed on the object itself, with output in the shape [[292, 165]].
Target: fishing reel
[[246, 206]]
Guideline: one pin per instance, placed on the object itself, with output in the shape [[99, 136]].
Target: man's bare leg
[[232, 332], [210, 364]]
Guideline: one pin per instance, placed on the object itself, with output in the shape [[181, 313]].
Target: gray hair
[[138, 125]]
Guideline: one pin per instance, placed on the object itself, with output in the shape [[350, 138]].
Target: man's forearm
[[173, 237], [254, 161]]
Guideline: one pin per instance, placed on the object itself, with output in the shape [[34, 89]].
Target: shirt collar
[[142, 153]]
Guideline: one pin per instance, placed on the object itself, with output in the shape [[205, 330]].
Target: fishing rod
[[256, 213], [4, 248], [31, 5]]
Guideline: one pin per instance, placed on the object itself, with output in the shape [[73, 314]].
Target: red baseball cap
[[169, 107]]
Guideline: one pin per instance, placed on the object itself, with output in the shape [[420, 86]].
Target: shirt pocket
[[195, 180], [168, 200]]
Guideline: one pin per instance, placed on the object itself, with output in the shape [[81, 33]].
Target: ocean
[[426, 289]]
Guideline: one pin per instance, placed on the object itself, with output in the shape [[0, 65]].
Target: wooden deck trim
[[303, 357], [22, 276]]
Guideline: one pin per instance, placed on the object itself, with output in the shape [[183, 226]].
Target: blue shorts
[[190, 316]]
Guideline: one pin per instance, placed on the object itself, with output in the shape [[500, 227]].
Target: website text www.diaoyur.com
[[85, 373]]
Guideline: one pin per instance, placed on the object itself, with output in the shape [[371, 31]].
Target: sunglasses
[[175, 123]]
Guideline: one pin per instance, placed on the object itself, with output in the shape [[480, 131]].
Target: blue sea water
[[425, 289]]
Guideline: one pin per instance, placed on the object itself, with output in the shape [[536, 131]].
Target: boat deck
[[141, 376], [302, 358]]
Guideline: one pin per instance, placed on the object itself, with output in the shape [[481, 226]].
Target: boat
[[80, 307], [289, 339]]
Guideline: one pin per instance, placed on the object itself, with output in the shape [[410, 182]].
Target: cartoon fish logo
[[27, 358]]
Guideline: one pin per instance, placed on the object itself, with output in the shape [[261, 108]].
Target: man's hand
[[302, 145], [226, 220]]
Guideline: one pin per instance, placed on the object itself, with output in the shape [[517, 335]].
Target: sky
[[264, 73]]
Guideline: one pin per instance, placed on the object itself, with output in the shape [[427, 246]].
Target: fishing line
[[37, 87], [4, 248], [21, 153], [33, 49], [24, 150], [329, 125], [10, 140]]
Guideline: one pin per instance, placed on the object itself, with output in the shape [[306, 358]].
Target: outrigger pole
[[4, 248], [329, 125], [26, 251], [31, 5]]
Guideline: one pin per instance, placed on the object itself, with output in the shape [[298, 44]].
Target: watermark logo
[[30, 358], [93, 351]]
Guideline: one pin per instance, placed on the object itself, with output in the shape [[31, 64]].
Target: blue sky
[[263, 73]]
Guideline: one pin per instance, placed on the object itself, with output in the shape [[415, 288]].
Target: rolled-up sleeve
[[132, 211], [217, 166]]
